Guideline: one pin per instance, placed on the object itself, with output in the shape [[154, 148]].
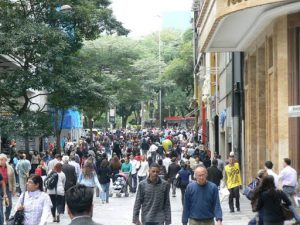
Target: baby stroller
[[120, 186]]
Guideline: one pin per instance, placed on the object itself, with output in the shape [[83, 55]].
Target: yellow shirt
[[233, 175]]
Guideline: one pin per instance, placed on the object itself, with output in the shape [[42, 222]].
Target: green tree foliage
[[179, 70], [43, 41]]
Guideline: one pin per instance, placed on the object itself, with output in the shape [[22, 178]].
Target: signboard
[[294, 111]]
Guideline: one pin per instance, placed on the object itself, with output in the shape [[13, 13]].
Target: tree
[[180, 71], [39, 37]]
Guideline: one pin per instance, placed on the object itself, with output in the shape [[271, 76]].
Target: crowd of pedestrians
[[153, 163]]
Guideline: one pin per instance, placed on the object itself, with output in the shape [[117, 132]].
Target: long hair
[[266, 184], [88, 168], [115, 163]]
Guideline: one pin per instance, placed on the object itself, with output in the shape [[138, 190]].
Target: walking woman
[[88, 177], [104, 174], [37, 204], [269, 199], [115, 167], [57, 195]]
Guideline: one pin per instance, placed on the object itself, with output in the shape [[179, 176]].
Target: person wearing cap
[[9, 180]]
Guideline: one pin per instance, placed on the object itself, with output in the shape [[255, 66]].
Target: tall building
[[263, 38]]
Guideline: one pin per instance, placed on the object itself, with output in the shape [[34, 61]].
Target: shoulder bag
[[287, 213], [18, 218]]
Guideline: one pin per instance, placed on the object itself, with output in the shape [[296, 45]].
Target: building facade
[[263, 36]]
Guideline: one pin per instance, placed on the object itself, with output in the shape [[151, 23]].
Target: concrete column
[[261, 106], [281, 62], [252, 147]]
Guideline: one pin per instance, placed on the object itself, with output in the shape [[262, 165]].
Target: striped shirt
[[154, 200]]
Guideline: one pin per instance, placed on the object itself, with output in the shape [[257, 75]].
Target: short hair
[[65, 159], [269, 164], [79, 199], [200, 166], [160, 162], [3, 156], [154, 165], [215, 162], [287, 161]]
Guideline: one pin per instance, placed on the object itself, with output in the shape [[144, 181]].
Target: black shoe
[[238, 209], [232, 211], [57, 219]]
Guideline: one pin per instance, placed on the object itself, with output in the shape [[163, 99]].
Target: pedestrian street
[[119, 212]]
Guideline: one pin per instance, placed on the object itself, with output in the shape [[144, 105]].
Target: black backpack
[[51, 180]]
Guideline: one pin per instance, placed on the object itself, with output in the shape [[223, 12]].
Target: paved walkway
[[119, 212]]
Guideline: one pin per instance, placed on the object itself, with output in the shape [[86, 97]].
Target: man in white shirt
[[269, 169], [53, 162], [167, 161], [288, 176], [152, 150], [144, 168]]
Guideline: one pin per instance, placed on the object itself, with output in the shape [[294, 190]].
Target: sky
[[143, 17]]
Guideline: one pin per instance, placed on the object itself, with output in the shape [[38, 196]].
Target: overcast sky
[[141, 16]]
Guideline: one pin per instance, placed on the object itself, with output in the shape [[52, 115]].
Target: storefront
[[268, 34]]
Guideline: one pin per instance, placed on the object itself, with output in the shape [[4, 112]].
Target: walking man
[[288, 176], [172, 172], [201, 203], [233, 182], [269, 169], [79, 200], [9, 182], [214, 174], [23, 167], [153, 198]]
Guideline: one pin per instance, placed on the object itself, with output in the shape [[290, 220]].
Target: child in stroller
[[121, 184]]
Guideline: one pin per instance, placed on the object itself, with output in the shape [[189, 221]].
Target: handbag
[[18, 218], [286, 212]]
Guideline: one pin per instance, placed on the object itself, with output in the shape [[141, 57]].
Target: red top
[[138, 158], [3, 171], [38, 171]]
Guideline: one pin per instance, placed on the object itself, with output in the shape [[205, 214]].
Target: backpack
[[51, 180]]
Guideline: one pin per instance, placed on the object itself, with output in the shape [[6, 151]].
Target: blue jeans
[[7, 209], [105, 192], [134, 182], [290, 191]]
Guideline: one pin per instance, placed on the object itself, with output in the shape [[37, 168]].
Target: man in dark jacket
[[153, 200], [69, 171], [214, 174], [172, 172]]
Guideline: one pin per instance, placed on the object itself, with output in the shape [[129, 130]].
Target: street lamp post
[[159, 73]]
